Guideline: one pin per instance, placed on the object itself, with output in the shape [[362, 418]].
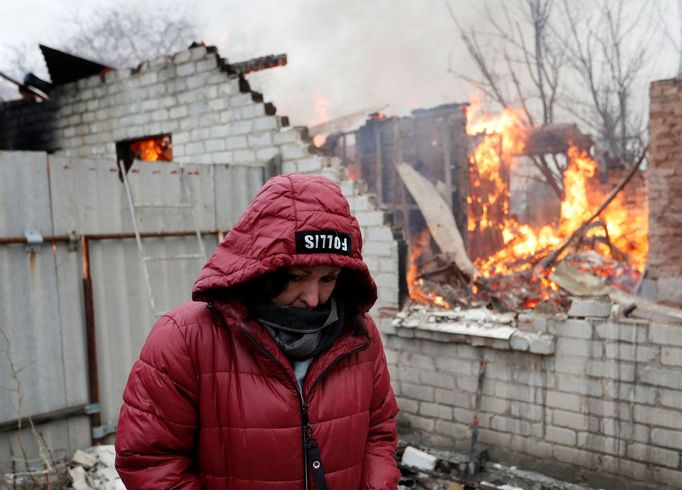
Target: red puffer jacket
[[214, 403]]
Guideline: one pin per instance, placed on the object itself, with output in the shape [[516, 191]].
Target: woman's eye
[[295, 278], [329, 279]]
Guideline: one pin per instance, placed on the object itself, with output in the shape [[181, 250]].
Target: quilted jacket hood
[[295, 220]]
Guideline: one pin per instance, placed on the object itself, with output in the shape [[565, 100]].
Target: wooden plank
[[438, 218]]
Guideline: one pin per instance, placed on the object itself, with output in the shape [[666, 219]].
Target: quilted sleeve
[[157, 427], [380, 471]]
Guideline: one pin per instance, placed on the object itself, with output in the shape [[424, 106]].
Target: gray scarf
[[301, 333]]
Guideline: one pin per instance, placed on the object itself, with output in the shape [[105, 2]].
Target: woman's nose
[[310, 296]]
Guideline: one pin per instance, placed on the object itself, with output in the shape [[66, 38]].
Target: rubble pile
[[445, 470], [93, 469]]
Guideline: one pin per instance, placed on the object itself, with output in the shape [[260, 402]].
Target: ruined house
[[591, 395]]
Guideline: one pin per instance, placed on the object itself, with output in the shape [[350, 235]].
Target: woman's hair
[[273, 283]]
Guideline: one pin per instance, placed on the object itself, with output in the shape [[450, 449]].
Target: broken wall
[[434, 142], [665, 189], [229, 141], [587, 396]]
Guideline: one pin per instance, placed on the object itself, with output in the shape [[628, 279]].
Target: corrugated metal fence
[[44, 352]]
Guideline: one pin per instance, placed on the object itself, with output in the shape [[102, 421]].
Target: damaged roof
[[64, 67]]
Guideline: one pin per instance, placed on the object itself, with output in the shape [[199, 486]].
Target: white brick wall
[[605, 407]]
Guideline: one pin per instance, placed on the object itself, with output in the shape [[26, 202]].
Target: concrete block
[[668, 335], [574, 328], [265, 123], [582, 386], [666, 476], [659, 417], [454, 365], [565, 437], [186, 69], [671, 356], [654, 455], [236, 143], [240, 127], [408, 406], [570, 365], [575, 457], [215, 145], [417, 422], [452, 429], [520, 341], [310, 164], [418, 459], [454, 398], [614, 370], [570, 420], [589, 308], [379, 249], [415, 360], [667, 377], [222, 157], [631, 352], [371, 218], [579, 348], [565, 401], [264, 139], [207, 64], [636, 333], [542, 344], [265, 154], [435, 379], [416, 392], [601, 444], [252, 111], [434, 410], [631, 392], [244, 156], [623, 429], [84, 459], [671, 398], [495, 405]]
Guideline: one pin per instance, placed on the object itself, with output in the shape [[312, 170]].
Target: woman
[[274, 377]]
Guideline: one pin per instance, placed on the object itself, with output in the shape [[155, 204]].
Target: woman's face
[[308, 287]]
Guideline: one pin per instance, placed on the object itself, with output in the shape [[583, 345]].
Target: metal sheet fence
[[43, 349]]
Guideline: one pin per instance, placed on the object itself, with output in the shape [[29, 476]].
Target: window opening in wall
[[158, 148]]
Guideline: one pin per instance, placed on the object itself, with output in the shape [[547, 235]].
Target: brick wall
[[213, 118], [602, 405], [665, 188]]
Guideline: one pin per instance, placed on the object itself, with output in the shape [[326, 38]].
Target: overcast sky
[[352, 54]]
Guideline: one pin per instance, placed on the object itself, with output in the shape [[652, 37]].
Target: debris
[[439, 218], [584, 227], [94, 469], [580, 283], [83, 459], [418, 459]]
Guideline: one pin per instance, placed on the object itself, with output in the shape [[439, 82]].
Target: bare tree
[[580, 60], [531, 63], [111, 36], [608, 52], [125, 37]]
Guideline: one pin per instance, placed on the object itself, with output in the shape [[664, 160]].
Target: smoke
[[356, 54]]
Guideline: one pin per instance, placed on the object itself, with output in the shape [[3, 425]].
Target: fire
[[418, 247], [321, 108], [618, 238], [152, 149], [502, 138]]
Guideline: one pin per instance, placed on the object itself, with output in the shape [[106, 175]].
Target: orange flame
[[418, 246], [152, 149], [503, 137], [321, 108]]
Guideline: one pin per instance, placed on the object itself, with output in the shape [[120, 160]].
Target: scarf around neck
[[301, 333]]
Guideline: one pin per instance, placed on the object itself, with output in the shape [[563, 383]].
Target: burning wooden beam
[[438, 218]]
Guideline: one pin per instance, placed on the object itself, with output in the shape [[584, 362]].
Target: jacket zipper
[[306, 429], [305, 424]]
